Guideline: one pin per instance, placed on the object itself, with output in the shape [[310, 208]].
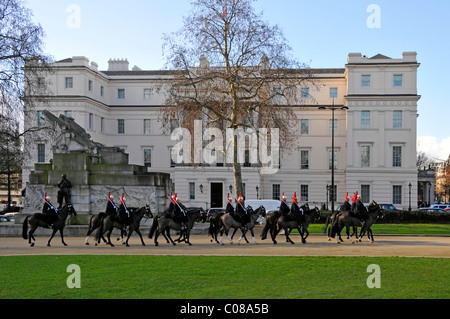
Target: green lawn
[[399, 229], [166, 277]]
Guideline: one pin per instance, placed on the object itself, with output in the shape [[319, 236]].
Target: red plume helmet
[[355, 196], [346, 197], [295, 199]]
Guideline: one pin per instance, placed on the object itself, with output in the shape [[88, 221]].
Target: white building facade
[[375, 138]]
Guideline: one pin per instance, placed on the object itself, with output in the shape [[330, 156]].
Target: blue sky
[[321, 33]]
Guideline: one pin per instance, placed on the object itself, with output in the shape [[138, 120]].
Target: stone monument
[[94, 170]]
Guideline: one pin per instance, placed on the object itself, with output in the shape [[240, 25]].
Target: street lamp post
[[410, 185], [332, 190]]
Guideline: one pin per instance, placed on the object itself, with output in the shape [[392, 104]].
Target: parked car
[[213, 211], [270, 205], [387, 207], [4, 219], [441, 206], [433, 210]]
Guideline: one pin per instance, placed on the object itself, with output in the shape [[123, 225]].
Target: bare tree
[[22, 63], [233, 70]]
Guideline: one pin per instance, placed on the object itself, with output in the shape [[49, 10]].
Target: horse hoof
[[87, 244], [32, 245]]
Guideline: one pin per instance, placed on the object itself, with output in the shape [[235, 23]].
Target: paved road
[[317, 245]]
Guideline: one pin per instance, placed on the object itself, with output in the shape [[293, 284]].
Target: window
[[305, 93], [330, 153], [397, 194], [304, 127], [90, 85], [40, 119], [147, 94], [41, 153], [398, 80], [147, 157], [304, 159], [335, 126], [121, 126], [121, 94], [147, 127], [333, 92], [365, 119], [102, 91], [365, 156], [102, 124], [304, 192], [68, 114], [41, 83], [69, 83], [276, 191], [91, 121], [365, 193], [247, 159], [277, 93], [191, 190], [365, 80], [397, 156], [397, 119]]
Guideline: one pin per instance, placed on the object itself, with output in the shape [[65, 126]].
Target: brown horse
[[39, 220], [229, 222]]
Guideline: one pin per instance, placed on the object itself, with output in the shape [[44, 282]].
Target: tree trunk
[[237, 169]]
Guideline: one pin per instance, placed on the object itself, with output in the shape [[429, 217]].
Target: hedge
[[402, 217]]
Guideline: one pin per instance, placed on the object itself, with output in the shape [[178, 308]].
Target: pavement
[[317, 245]]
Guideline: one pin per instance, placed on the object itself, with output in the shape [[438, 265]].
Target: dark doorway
[[216, 195]]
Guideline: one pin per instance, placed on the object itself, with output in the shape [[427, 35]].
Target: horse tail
[[324, 230], [25, 228], [265, 230], [333, 227], [154, 226], [212, 227], [99, 233]]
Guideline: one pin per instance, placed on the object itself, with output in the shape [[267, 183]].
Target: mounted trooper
[[50, 213], [179, 212]]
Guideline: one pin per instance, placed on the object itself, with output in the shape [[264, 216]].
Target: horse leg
[[348, 235], [31, 239], [187, 233], [286, 233], [109, 238], [253, 235], [61, 231], [244, 231], [51, 237], [156, 237], [140, 236]]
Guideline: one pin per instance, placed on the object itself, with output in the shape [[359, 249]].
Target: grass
[[168, 277], [399, 229]]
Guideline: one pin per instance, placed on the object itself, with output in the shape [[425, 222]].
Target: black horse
[[40, 220], [134, 220]]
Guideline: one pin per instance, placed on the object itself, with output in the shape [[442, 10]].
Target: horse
[[375, 212], [108, 224], [310, 216], [271, 224], [162, 223], [347, 219], [94, 223], [330, 219], [38, 220], [214, 226], [229, 222], [291, 220]]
